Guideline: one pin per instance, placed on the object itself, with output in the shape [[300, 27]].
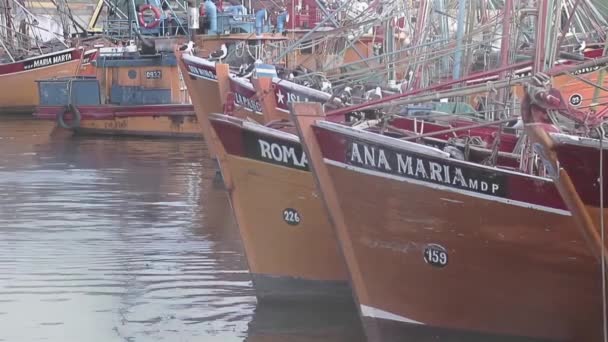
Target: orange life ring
[[153, 23]]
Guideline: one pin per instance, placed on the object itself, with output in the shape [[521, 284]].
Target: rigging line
[[68, 12], [24, 9], [439, 114], [586, 81], [25, 35], [605, 324], [442, 50], [38, 27], [447, 50], [360, 72], [307, 35], [334, 20], [7, 50]]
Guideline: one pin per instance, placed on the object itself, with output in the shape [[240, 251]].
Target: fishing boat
[[438, 246], [25, 57], [22, 75], [133, 93], [290, 270], [283, 268], [291, 249], [245, 95]]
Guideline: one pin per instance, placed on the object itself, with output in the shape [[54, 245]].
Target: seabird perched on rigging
[[346, 94], [374, 94], [406, 82], [188, 47], [246, 70], [581, 48], [219, 54], [326, 86]]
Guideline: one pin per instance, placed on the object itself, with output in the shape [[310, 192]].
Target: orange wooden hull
[[292, 263], [160, 126], [19, 91], [509, 259], [287, 262], [176, 121], [291, 258], [515, 272], [577, 89], [205, 95]]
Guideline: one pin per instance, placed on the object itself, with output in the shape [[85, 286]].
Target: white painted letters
[[282, 154], [419, 167]]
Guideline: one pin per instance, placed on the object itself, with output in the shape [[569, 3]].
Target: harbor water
[[119, 239]]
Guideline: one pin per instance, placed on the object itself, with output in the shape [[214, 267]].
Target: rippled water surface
[[122, 239]]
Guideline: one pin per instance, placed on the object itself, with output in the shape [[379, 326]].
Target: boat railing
[[230, 23], [124, 29], [306, 18], [119, 28]]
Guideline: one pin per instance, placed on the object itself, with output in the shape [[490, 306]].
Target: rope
[[604, 318]]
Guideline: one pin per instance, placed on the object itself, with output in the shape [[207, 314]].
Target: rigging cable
[[605, 324]]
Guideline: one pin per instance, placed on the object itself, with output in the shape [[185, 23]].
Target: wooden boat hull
[[18, 87], [282, 267], [580, 156], [246, 104], [513, 258], [486, 291], [268, 100], [578, 87], [290, 245], [176, 121], [205, 89]]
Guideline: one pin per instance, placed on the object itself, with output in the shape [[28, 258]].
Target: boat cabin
[[125, 78]]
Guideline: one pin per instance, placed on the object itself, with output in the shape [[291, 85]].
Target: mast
[[541, 26], [5, 20], [444, 34], [62, 10], [505, 47], [8, 22], [389, 42], [505, 42]]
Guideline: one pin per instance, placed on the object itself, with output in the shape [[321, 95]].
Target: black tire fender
[[76, 117]]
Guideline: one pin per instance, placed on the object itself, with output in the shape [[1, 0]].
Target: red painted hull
[[174, 120], [104, 112], [516, 265]]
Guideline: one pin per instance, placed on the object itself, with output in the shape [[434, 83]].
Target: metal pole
[[445, 34], [131, 14], [193, 17], [541, 25], [459, 38]]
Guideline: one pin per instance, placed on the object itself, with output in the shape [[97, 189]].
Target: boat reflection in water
[[115, 239], [304, 322]]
